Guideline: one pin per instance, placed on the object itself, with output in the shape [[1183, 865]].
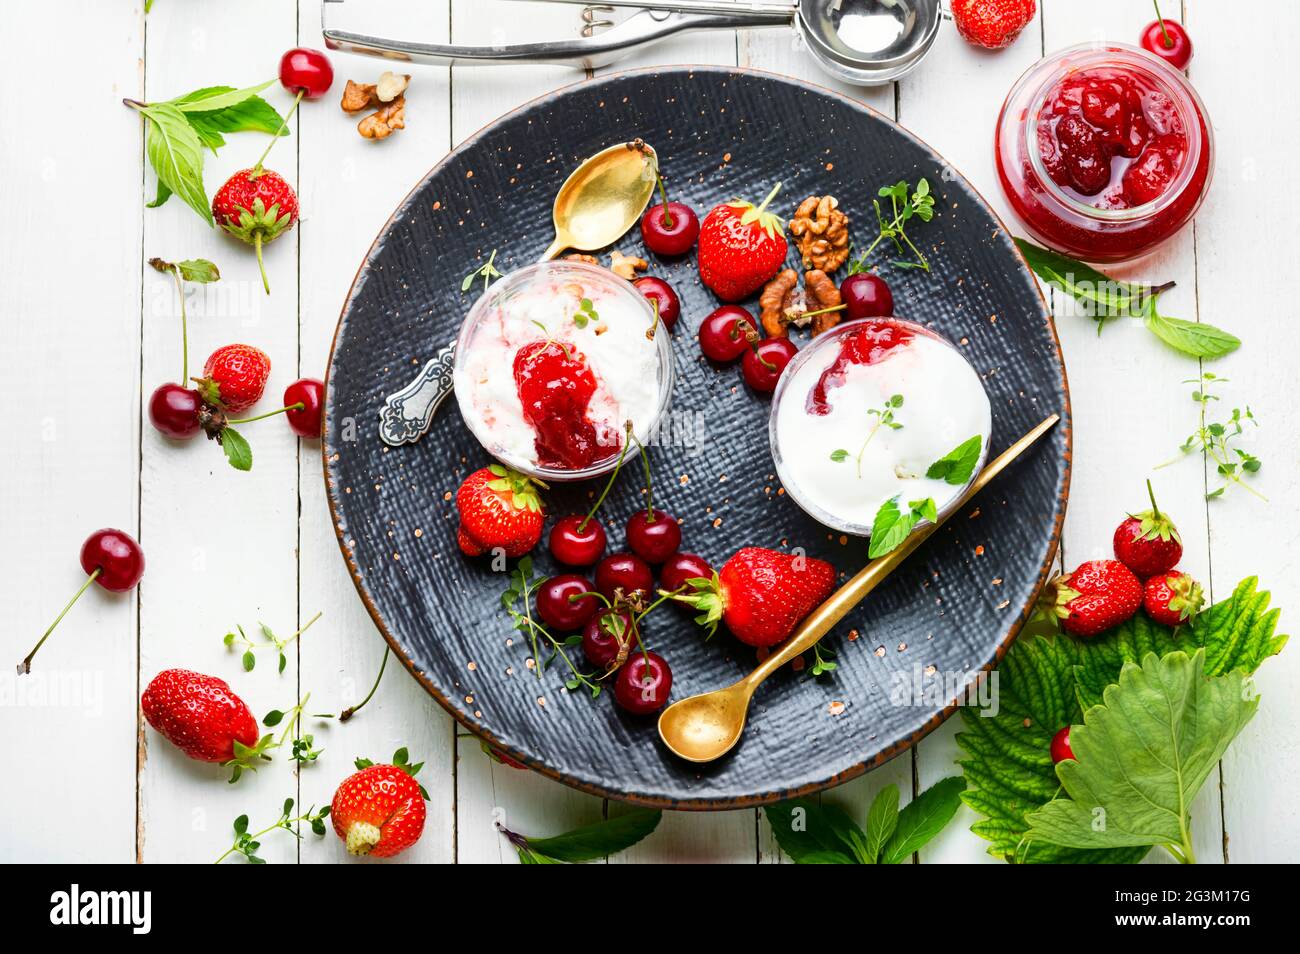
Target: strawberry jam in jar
[[1104, 152]]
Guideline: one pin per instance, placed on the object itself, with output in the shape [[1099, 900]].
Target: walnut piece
[[821, 233], [821, 294], [780, 298], [357, 96], [380, 125], [391, 85], [626, 266]]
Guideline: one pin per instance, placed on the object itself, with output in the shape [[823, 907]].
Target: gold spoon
[[603, 198], [705, 727]]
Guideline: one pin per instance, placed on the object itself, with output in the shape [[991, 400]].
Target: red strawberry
[[761, 594], [499, 508], [256, 206], [200, 715], [1097, 596], [741, 247], [1148, 543], [234, 377], [992, 24], [1172, 598], [379, 811]]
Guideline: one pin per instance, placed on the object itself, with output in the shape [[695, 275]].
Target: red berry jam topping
[[1111, 138], [555, 387], [871, 343]]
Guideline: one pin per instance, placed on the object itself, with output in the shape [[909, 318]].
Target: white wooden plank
[[1115, 453], [350, 188], [1243, 248], [485, 790], [950, 101], [222, 542], [70, 213]]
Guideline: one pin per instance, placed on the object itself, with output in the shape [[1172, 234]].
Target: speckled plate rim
[[758, 799]]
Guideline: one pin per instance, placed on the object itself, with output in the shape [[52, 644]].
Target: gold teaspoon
[[704, 727], [603, 198]]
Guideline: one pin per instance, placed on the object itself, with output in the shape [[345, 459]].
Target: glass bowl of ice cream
[[553, 361], [873, 410]]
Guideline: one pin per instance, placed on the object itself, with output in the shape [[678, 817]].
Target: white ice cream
[[624, 361], [944, 404]]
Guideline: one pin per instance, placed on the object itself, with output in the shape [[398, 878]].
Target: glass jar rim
[[1174, 81]]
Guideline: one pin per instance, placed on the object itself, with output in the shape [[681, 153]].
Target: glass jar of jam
[[1104, 152]]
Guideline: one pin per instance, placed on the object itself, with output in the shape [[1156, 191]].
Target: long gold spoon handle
[[822, 619]]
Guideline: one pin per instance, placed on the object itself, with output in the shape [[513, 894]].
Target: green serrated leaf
[[237, 450], [1143, 755], [956, 466], [811, 832], [596, 841], [1190, 337], [176, 154], [212, 98], [922, 818], [882, 819]]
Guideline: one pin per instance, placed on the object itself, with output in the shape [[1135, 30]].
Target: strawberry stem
[[1169, 43], [279, 410], [770, 196], [1155, 511], [257, 169], [609, 483], [350, 711], [25, 666], [663, 198], [257, 248]]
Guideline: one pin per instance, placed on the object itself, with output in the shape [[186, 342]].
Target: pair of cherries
[[174, 410]]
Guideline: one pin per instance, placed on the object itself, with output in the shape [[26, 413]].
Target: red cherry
[[1061, 746], [669, 228], [311, 394], [682, 567], [866, 296], [561, 603], [110, 558], [174, 411], [662, 294], [644, 682], [623, 571], [306, 71], [653, 540], [763, 363], [600, 642], [573, 544], [1168, 40], [725, 335]]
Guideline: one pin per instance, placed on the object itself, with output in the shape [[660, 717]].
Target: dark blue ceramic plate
[[951, 611]]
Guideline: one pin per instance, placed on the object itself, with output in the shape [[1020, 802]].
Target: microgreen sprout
[[237, 637], [487, 271], [904, 204]]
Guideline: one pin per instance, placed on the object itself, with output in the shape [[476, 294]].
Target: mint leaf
[[237, 450], [253, 115], [1101, 295], [1190, 337], [161, 196], [176, 154], [1045, 683], [882, 819], [892, 525], [198, 270], [595, 841], [958, 464], [812, 833], [922, 818], [1144, 755], [211, 98]]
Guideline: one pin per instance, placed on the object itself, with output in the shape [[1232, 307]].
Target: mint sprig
[[819, 833], [892, 524], [589, 843]]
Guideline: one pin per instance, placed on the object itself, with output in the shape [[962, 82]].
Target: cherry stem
[[350, 711], [299, 406], [1169, 42], [257, 169], [1155, 511], [185, 336], [645, 464], [609, 483], [663, 198], [25, 666], [819, 311]]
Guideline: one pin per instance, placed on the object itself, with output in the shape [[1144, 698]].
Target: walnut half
[[821, 232], [380, 125]]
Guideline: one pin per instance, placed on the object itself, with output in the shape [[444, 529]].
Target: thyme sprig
[[905, 204], [1217, 439], [517, 601]]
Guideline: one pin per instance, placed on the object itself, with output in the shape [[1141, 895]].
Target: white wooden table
[[89, 331]]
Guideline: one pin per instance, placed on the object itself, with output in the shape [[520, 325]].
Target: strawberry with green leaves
[[1148, 543], [499, 509], [202, 716], [741, 246], [1172, 598], [761, 594], [234, 377], [1097, 596], [256, 206], [379, 811]]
